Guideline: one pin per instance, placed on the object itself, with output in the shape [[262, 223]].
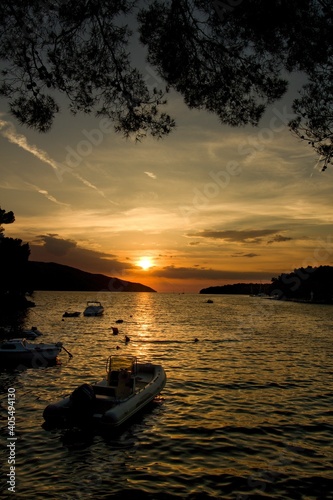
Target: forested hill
[[238, 289], [52, 276], [305, 284]]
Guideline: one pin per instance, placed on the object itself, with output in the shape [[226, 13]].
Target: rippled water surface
[[246, 413]]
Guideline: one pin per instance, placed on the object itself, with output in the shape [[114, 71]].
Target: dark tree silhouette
[[14, 258], [310, 284], [5, 218], [230, 57], [78, 48]]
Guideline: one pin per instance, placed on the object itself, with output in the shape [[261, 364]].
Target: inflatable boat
[[127, 388]]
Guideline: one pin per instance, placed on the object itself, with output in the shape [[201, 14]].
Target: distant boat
[[94, 308], [31, 334], [128, 387], [71, 314], [261, 295]]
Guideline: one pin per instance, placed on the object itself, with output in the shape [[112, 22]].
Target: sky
[[206, 206]]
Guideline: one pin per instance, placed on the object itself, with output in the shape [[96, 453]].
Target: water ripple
[[246, 413]]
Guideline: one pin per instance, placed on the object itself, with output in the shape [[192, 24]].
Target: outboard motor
[[83, 401]]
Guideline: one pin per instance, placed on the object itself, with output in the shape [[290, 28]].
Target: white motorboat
[[94, 308], [16, 351], [128, 387]]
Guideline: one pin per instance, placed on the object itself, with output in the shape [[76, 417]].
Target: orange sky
[[208, 205]]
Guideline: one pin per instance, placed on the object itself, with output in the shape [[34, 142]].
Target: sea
[[247, 411]]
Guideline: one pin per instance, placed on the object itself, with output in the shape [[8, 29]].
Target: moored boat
[[71, 314], [127, 388], [16, 351], [94, 308]]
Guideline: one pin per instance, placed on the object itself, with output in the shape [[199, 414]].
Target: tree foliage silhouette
[[14, 256], [231, 58], [5, 218]]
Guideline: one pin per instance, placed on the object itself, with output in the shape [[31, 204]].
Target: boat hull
[[93, 309], [15, 352], [93, 313]]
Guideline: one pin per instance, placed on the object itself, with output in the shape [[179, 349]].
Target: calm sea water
[[247, 412]]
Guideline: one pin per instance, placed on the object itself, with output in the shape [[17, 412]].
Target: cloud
[[8, 131], [52, 248], [150, 174], [248, 255], [56, 246], [248, 236], [92, 186], [279, 239], [47, 194], [201, 273]]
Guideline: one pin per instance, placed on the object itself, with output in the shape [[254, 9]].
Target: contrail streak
[[8, 131]]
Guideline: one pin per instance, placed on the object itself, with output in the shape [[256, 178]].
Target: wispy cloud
[[201, 273], [8, 131], [92, 186], [151, 174], [278, 238], [254, 236], [46, 194]]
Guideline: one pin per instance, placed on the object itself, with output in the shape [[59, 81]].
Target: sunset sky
[[206, 206]]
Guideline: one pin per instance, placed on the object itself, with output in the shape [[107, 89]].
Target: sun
[[145, 263]]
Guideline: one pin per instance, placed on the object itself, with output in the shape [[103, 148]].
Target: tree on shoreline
[[310, 284], [227, 57], [14, 256]]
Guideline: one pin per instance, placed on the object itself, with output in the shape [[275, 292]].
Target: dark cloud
[[51, 248], [187, 273], [248, 236], [279, 239], [248, 255], [54, 245]]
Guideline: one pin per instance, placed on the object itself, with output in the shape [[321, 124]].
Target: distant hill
[[52, 276], [309, 284], [238, 289]]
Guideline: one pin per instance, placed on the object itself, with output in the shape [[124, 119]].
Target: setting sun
[[145, 263]]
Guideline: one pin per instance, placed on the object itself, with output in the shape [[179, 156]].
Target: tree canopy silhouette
[[5, 218], [14, 256], [229, 57]]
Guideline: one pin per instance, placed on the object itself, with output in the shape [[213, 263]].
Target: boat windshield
[[116, 363]]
